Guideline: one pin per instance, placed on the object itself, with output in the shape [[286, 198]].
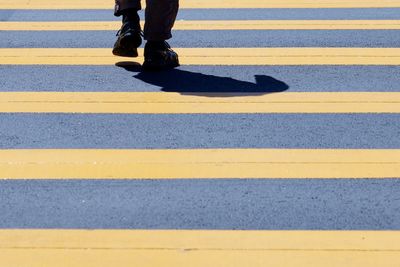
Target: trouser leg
[[160, 18], [121, 5]]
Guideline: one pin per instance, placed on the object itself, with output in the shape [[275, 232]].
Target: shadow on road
[[193, 83]]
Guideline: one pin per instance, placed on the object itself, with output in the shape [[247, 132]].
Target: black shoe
[[159, 56], [129, 39]]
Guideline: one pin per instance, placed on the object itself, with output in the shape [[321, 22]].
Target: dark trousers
[[160, 16]]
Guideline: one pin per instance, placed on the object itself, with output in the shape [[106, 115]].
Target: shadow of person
[[193, 83]]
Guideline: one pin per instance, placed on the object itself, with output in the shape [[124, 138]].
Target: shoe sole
[[154, 66], [127, 46]]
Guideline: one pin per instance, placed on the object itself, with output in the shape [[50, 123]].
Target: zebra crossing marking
[[200, 239], [176, 103], [209, 56], [209, 25], [98, 248], [199, 163]]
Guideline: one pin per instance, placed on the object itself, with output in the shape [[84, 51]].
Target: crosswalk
[[201, 166], [211, 56], [175, 103]]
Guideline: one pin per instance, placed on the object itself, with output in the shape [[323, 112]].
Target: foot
[[159, 56], [129, 39]]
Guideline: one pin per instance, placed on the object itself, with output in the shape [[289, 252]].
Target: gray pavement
[[200, 78], [323, 131], [203, 204], [213, 14], [228, 38]]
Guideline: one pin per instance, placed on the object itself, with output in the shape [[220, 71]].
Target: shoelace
[[120, 30]]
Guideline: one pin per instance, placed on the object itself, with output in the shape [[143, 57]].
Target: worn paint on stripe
[[162, 102], [103, 4], [211, 25], [209, 56], [75, 248], [199, 163]]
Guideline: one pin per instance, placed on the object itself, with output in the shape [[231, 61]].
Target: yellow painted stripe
[[103, 248], [158, 103], [104, 4], [209, 56], [195, 258], [200, 239], [199, 163], [210, 25]]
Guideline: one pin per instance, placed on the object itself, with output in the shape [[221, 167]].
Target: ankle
[[156, 45], [130, 15]]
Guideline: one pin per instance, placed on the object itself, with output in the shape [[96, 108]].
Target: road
[[276, 142]]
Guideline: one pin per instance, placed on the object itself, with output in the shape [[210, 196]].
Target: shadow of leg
[[186, 82]]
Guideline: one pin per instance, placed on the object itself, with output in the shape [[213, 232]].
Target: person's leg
[[124, 5], [129, 36], [160, 18]]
